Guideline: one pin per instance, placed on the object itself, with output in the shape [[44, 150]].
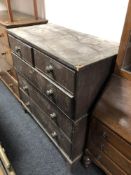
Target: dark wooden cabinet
[[61, 73], [110, 128]]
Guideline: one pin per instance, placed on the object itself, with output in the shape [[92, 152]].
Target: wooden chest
[[60, 74], [109, 141]]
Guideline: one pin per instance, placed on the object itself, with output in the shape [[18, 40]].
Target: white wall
[[103, 18]]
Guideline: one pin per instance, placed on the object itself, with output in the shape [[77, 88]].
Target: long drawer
[[108, 143], [64, 76], [48, 88], [21, 49], [54, 132], [74, 130]]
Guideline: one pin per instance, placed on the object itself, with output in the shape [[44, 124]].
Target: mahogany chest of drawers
[[61, 73], [109, 141]]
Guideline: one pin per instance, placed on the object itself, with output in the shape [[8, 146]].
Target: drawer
[[4, 37], [6, 54], [10, 82], [54, 132], [58, 117], [21, 49], [55, 94], [55, 70], [103, 161], [74, 130], [97, 136], [25, 98]]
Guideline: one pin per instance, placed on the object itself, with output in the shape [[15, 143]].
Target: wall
[[103, 18]]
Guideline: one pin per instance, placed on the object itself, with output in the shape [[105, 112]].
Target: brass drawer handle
[[49, 68], [27, 104], [53, 115], [49, 92], [17, 49], [54, 134]]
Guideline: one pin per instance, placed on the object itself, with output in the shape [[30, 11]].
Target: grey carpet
[[28, 148]]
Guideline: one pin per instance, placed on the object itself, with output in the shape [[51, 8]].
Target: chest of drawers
[[61, 73], [109, 141]]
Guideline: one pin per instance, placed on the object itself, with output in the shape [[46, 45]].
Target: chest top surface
[[73, 48], [114, 107]]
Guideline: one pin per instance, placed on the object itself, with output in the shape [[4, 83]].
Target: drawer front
[[10, 82], [55, 70], [21, 49], [54, 132], [103, 161], [47, 88], [59, 118], [4, 37], [97, 136]]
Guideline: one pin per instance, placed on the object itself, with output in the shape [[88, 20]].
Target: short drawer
[[98, 136], [55, 94], [21, 49], [55, 70]]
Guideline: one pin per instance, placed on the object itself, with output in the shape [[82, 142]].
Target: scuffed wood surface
[[114, 107], [70, 47]]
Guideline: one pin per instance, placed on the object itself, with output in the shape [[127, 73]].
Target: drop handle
[[53, 115], [49, 92], [17, 49], [54, 134], [49, 68]]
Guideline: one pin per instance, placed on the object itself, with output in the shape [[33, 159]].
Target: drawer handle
[[49, 68], [27, 104], [25, 88], [104, 135], [1, 35], [17, 49], [53, 115], [11, 85], [49, 92], [54, 134], [3, 53]]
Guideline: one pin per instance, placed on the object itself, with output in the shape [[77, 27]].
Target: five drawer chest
[[61, 73]]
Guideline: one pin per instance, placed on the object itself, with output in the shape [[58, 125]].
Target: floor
[[28, 148]]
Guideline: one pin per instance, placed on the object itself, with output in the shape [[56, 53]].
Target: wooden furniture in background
[[60, 74], [5, 166], [123, 63], [8, 19], [109, 140]]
